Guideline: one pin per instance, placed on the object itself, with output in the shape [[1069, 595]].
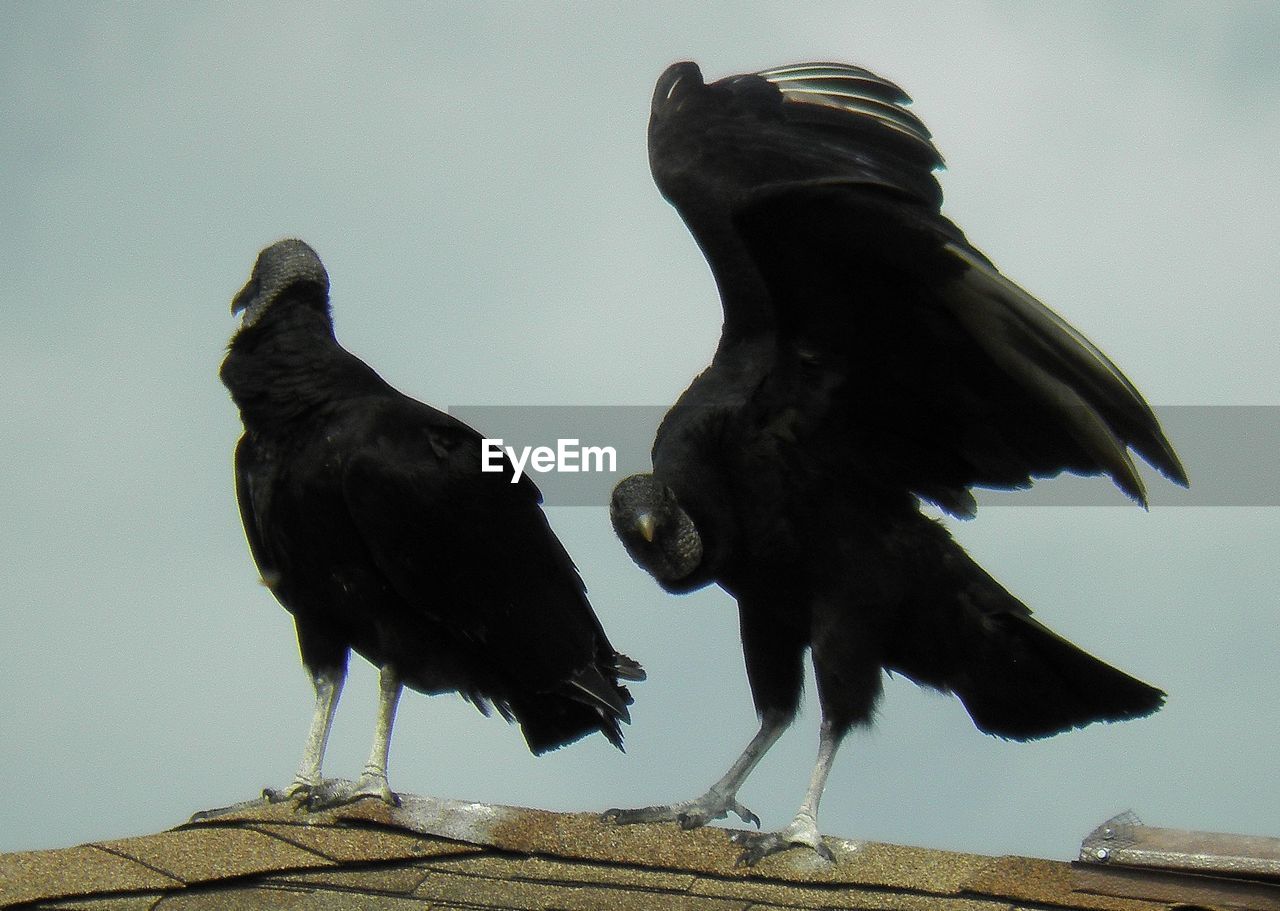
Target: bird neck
[[288, 367], [681, 463]]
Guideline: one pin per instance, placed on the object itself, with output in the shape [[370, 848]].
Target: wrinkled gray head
[[656, 531], [281, 266]]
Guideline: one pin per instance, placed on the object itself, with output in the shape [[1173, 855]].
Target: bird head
[[679, 81], [657, 532], [286, 265]]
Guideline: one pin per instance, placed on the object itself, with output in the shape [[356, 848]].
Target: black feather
[[370, 517], [870, 357]]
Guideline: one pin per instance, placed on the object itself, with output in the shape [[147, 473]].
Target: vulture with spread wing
[[871, 358]]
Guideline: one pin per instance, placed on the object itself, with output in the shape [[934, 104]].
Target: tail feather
[[628, 668], [591, 687], [1028, 682], [966, 634], [592, 700], [551, 721]]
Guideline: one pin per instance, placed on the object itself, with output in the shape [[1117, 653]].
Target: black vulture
[[372, 523], [871, 358]]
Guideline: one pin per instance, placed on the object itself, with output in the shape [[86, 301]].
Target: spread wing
[[710, 146], [900, 347]]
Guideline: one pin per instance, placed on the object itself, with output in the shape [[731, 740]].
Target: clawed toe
[[619, 816], [694, 820], [379, 790], [648, 814], [744, 814], [689, 814], [338, 793], [699, 817], [297, 791], [757, 847], [215, 812]]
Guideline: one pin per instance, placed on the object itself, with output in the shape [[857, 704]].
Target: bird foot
[[239, 807], [802, 832], [690, 814], [337, 792], [298, 791]]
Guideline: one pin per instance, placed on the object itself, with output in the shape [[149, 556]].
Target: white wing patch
[[853, 89]]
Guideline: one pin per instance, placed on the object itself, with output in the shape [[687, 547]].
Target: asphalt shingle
[[436, 855]]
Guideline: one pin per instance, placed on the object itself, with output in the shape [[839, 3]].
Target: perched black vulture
[[870, 358], [372, 523]]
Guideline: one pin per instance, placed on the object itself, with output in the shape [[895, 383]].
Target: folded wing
[[474, 552]]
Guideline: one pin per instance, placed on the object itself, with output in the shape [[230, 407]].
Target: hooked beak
[[246, 295], [647, 525]]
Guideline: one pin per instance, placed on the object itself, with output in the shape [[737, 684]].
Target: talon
[[389, 797], [745, 815], [631, 817], [758, 847], [748, 858], [331, 792], [295, 791], [688, 814], [693, 814]]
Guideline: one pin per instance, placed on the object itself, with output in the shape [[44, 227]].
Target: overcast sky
[[475, 178]]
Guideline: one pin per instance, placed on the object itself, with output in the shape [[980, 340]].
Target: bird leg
[[373, 779], [328, 686], [803, 830], [721, 797]]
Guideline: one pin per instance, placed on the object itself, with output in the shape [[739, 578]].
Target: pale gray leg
[[328, 686], [721, 797], [803, 830], [373, 780]]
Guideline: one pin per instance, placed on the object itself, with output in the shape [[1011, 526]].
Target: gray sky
[[475, 178]]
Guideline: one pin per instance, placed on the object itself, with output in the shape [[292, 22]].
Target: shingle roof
[[433, 855]]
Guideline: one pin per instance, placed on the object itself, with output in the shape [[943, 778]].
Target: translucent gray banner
[[1230, 453]]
